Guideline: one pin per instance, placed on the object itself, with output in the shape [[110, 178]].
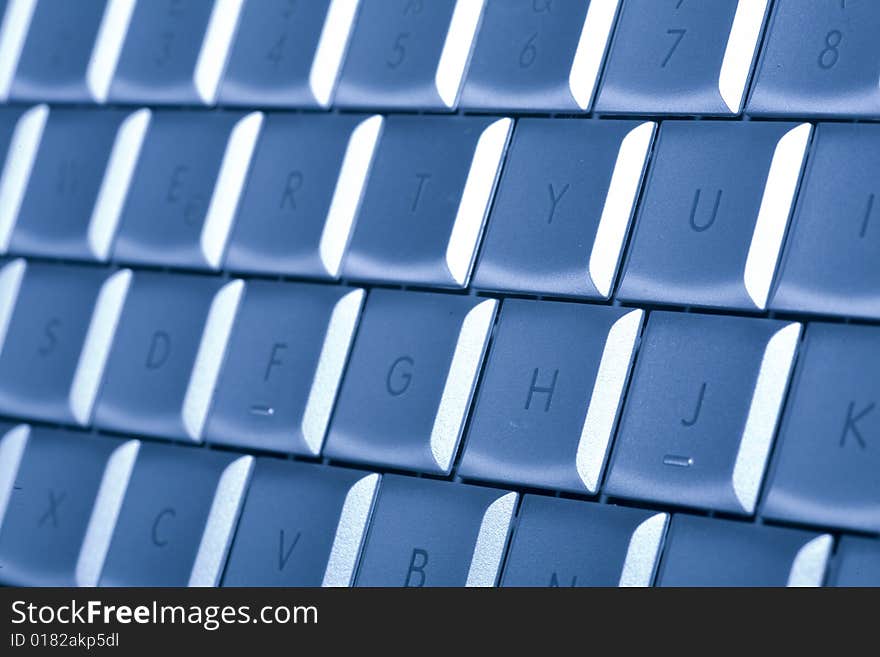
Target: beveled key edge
[[491, 541], [350, 531]]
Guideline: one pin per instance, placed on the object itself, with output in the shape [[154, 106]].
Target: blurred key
[[561, 542], [858, 562], [57, 333], [286, 356], [174, 51], [301, 525], [21, 131], [62, 499], [701, 412], [177, 519], [409, 53], [709, 552], [830, 260], [435, 533], [78, 182], [826, 463], [538, 55], [68, 54], [166, 356], [410, 378], [563, 207], [287, 53], [423, 210], [549, 397], [299, 205], [15, 20], [681, 57], [186, 188], [714, 213], [819, 59]]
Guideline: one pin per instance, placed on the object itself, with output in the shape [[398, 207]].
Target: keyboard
[[439, 293]]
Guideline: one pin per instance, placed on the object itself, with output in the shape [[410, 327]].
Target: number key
[[820, 58]]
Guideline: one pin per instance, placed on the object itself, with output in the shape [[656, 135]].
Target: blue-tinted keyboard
[[439, 292]]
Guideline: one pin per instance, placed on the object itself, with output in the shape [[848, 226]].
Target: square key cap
[[857, 562], [70, 50], [301, 525], [408, 53], [537, 55], [820, 58], [563, 207], [299, 205], [825, 469], [287, 53], [681, 57], [284, 364], [410, 378], [714, 213], [561, 542], [54, 338], [429, 192], [436, 533], [709, 552], [177, 519], [186, 187], [174, 50], [549, 397], [56, 489], [701, 411], [78, 180], [169, 345], [829, 265]]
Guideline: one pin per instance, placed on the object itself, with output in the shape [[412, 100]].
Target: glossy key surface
[[434, 533], [857, 562]]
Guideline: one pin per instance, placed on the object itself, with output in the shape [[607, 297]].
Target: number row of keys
[[93, 511], [275, 366], [675, 56], [729, 215]]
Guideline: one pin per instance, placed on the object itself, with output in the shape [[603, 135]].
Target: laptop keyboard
[[439, 293]]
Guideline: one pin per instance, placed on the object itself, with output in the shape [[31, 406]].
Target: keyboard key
[[569, 543], [178, 517], [550, 394], [408, 53], [287, 53], [708, 552], [286, 356], [410, 378], [20, 134], [174, 51], [298, 208], [858, 562], [15, 19], [819, 59], [77, 184], [826, 462], [829, 263], [714, 213], [702, 409], [563, 207], [64, 57], [434, 533], [538, 56], [676, 57], [61, 488], [189, 177], [58, 330], [425, 205], [166, 356], [301, 525]]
